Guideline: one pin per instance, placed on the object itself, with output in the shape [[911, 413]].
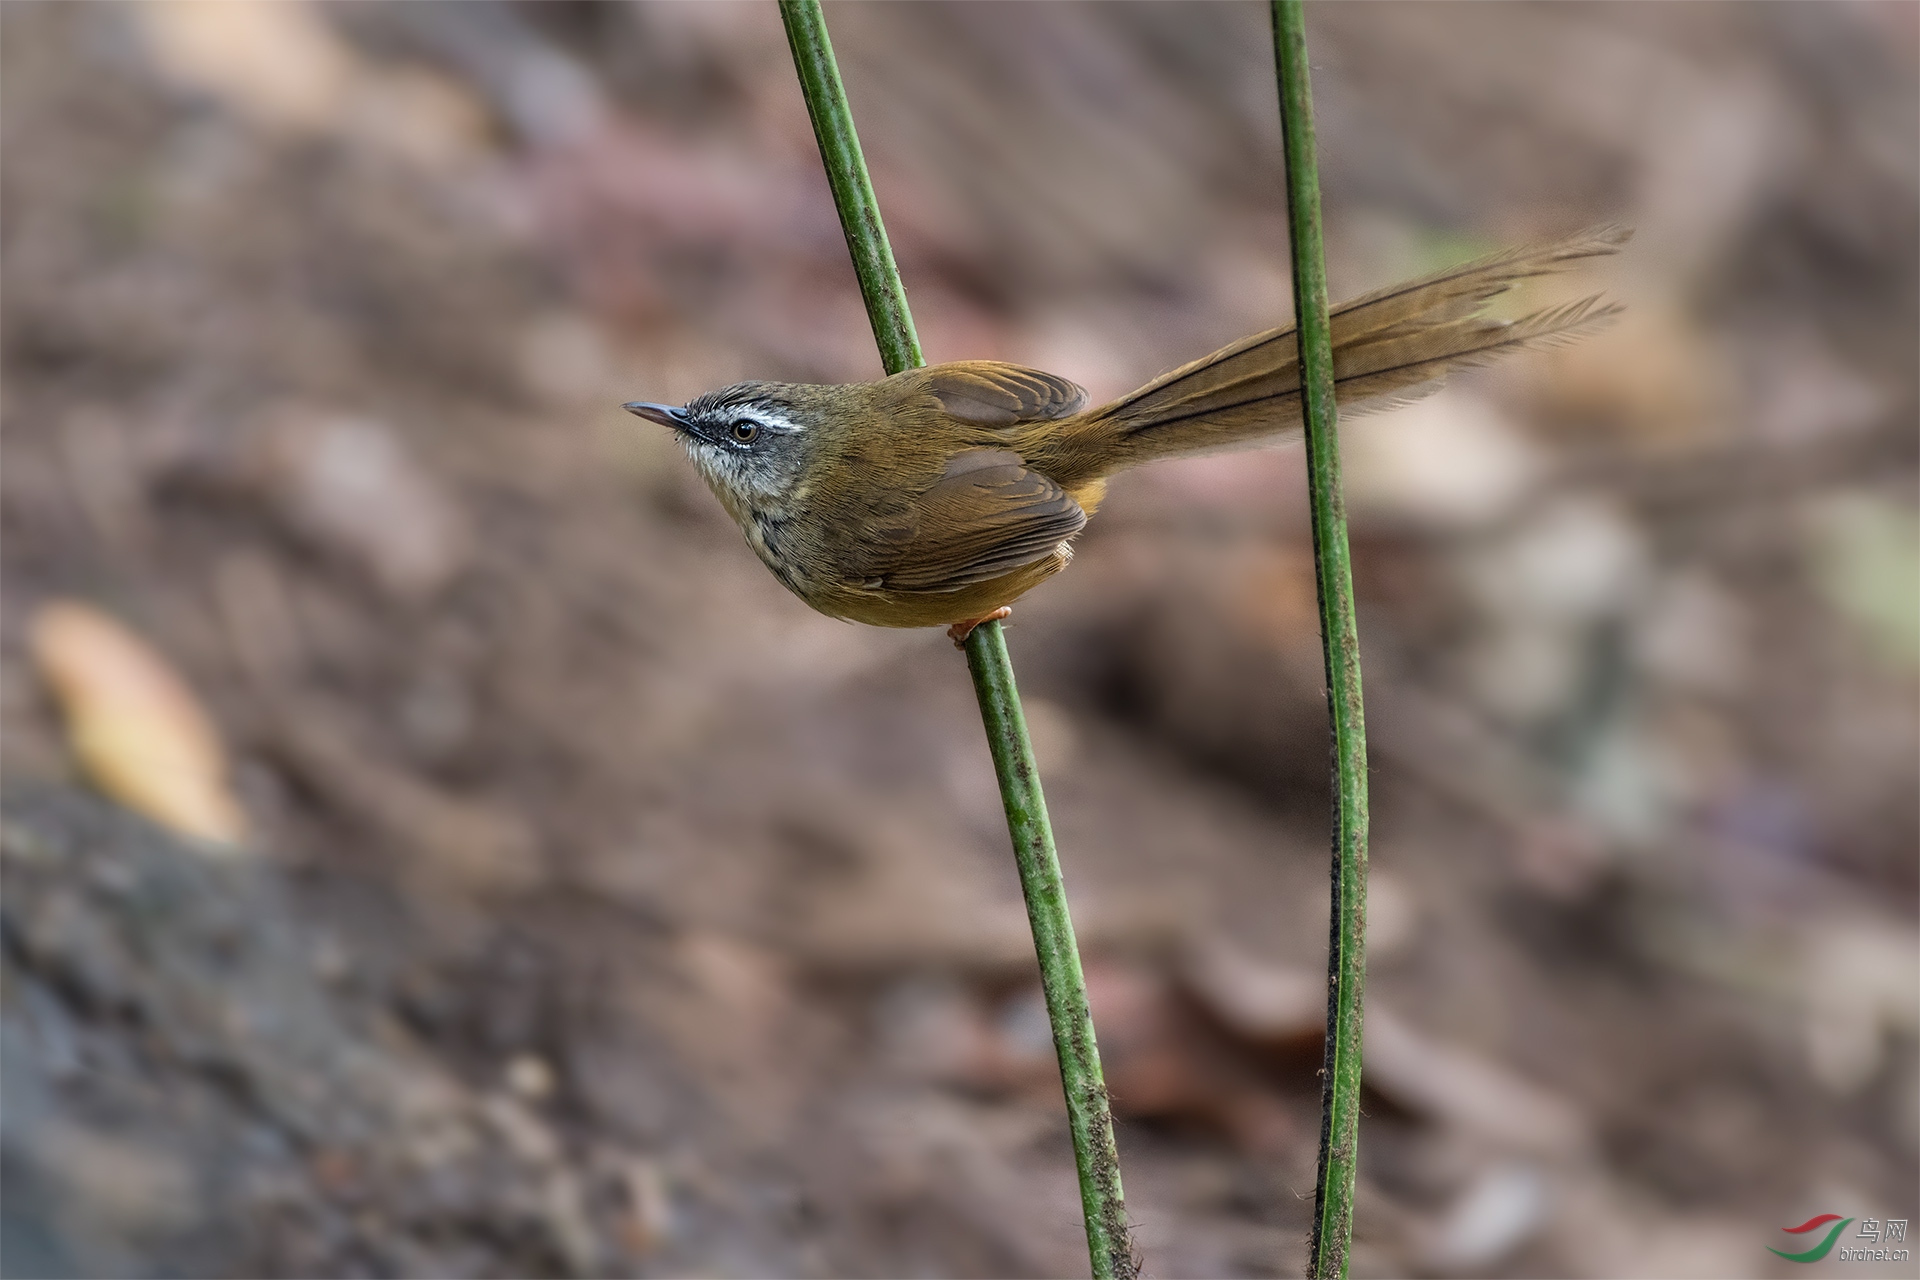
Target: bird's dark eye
[[745, 430]]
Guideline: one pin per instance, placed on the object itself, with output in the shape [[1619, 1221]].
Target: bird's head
[[754, 441]]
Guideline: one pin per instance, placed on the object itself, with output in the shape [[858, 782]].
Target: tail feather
[[1383, 374], [1459, 291], [1389, 346]]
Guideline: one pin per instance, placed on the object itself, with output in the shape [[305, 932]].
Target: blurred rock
[[1656, 374], [128, 1189], [1806, 393], [1265, 1003], [1491, 1219], [1226, 665], [284, 67], [1695, 635], [1575, 565], [883, 897], [1456, 1087], [936, 1029], [648, 1222], [280, 63], [1578, 560], [1445, 464], [350, 486], [730, 1014], [451, 841], [475, 846], [1862, 991], [437, 715], [1159, 1061], [344, 485], [236, 1117], [529, 1076]]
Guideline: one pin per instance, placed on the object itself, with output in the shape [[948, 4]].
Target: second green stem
[[1347, 926]]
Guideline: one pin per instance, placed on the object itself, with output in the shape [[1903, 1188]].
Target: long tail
[[1389, 346]]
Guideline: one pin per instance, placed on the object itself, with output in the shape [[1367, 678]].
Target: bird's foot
[[959, 631]]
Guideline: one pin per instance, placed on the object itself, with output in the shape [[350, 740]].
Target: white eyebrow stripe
[[772, 418]]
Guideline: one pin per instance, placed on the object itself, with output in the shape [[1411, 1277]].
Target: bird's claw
[[959, 631]]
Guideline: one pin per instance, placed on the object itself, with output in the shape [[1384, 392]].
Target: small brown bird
[[941, 494]]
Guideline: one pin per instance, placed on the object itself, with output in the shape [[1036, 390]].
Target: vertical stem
[[1346, 950], [826, 97], [1089, 1117], [1088, 1114]]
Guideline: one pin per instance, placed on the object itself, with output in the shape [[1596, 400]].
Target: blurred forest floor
[[607, 913]]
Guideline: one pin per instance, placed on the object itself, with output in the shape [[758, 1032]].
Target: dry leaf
[[136, 729]]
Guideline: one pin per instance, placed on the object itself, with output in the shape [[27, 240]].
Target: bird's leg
[[959, 631]]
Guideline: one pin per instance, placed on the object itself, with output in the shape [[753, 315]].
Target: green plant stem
[[826, 97], [1089, 1117], [1346, 945]]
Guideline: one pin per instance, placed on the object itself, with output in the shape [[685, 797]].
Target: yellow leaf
[[135, 727]]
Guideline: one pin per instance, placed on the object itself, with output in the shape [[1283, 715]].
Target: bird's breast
[[772, 538]]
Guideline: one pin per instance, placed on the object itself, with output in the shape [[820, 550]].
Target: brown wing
[[986, 516], [990, 394]]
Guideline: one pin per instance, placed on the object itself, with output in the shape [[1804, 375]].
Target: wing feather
[[988, 393], [987, 516]]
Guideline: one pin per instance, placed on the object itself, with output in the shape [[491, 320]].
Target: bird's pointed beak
[[667, 415]]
